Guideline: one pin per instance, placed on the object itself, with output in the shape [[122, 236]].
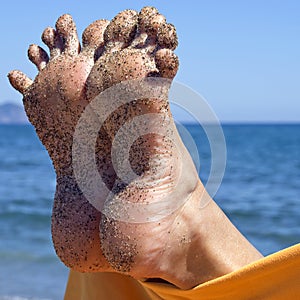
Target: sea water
[[260, 193]]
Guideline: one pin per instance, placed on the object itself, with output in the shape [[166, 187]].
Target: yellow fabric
[[106, 286], [274, 277]]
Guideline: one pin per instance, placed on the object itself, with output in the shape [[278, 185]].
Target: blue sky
[[242, 56]]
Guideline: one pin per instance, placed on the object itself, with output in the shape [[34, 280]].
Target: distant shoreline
[[14, 114], [11, 113]]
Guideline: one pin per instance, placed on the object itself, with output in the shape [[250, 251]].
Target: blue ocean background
[[260, 193]]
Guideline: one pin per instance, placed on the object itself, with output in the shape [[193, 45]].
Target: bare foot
[[132, 46], [172, 241], [139, 46], [54, 102]]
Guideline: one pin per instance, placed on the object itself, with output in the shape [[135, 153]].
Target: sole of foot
[[133, 46]]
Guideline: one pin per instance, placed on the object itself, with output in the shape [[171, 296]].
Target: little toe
[[150, 20], [93, 39], [19, 81], [121, 30], [53, 41], [38, 56], [167, 36], [167, 63], [66, 28]]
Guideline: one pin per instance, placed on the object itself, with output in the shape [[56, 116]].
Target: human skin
[[189, 245]]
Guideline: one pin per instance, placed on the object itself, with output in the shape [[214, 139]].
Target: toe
[[121, 30], [93, 34], [66, 28], [53, 41], [38, 56], [167, 36], [167, 63], [19, 81], [150, 20], [93, 37]]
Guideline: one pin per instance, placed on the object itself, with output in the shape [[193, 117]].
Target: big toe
[[121, 30], [93, 34], [93, 37], [157, 29]]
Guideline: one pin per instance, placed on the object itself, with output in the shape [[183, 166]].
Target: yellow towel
[[276, 276]]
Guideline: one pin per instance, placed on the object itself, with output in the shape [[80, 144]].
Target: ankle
[[204, 244]]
